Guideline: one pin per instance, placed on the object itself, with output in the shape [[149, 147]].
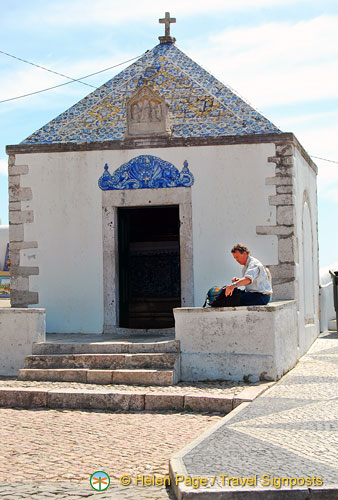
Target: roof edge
[[162, 142]]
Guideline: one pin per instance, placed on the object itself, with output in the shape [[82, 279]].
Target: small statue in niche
[[135, 112], [147, 114], [146, 110]]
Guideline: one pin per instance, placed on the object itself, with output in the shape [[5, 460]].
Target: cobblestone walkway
[[48, 454], [212, 387], [291, 431]]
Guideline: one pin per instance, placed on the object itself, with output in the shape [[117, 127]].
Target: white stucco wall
[[3, 244], [307, 269], [229, 199]]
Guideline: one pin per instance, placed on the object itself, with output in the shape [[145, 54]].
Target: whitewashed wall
[[307, 269], [229, 199]]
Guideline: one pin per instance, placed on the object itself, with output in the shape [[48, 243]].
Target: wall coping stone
[[20, 310], [272, 306], [152, 142]]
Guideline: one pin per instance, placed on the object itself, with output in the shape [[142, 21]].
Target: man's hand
[[234, 279], [229, 290]]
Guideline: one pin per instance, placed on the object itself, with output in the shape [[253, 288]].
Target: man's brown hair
[[240, 248]]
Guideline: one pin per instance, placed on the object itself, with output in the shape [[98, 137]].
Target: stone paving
[[291, 431], [212, 387], [52, 453]]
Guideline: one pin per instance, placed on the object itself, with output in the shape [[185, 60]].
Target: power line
[[324, 159], [89, 85], [72, 81], [46, 69]]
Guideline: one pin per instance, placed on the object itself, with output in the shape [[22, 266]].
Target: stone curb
[[125, 400], [183, 492]]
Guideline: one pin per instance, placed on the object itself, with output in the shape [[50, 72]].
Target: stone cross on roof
[[167, 21]]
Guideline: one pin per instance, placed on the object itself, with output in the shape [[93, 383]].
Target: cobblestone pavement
[[290, 431], [212, 388], [52, 453]]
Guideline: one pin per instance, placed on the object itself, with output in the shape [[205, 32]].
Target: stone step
[[103, 361], [122, 376], [113, 400], [117, 347]]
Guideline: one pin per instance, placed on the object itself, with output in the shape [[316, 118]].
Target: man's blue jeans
[[254, 299]]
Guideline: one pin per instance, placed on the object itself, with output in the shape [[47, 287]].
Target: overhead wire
[[44, 68], [79, 80], [324, 159], [72, 80]]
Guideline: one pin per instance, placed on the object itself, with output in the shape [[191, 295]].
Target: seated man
[[256, 279]]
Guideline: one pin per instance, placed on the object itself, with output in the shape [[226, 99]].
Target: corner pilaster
[[284, 273], [21, 296]]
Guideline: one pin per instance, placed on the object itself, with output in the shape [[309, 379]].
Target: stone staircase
[[127, 363]]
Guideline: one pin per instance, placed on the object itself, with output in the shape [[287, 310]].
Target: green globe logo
[[99, 481]]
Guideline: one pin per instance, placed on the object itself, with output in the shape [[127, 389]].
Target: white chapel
[[127, 205]]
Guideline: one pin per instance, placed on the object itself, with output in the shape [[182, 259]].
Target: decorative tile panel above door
[[146, 172]]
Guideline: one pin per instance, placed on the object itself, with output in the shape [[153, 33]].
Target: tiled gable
[[199, 105]]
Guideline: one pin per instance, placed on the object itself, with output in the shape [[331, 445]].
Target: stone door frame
[[111, 201]]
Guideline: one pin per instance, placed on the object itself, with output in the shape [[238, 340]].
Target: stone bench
[[229, 343]]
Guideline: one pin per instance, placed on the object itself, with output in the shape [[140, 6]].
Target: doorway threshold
[[117, 333]]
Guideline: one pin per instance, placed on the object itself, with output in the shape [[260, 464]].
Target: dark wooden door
[[149, 266]]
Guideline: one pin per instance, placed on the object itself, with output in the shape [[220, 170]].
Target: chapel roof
[[199, 105]]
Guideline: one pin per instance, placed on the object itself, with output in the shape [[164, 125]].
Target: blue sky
[[280, 55]]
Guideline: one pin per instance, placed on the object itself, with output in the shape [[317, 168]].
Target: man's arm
[[241, 282]]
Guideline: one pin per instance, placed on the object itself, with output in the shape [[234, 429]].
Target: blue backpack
[[212, 295]]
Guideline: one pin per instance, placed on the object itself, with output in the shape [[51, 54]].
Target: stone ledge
[[207, 403], [164, 142], [285, 139], [113, 400], [21, 310], [158, 401], [272, 306], [125, 401], [23, 398], [232, 343]]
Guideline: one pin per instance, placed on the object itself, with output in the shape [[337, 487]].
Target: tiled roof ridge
[[214, 81], [203, 86], [80, 124], [98, 90]]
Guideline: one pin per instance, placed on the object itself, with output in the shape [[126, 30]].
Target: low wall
[[19, 329], [231, 343], [326, 306], [4, 239]]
